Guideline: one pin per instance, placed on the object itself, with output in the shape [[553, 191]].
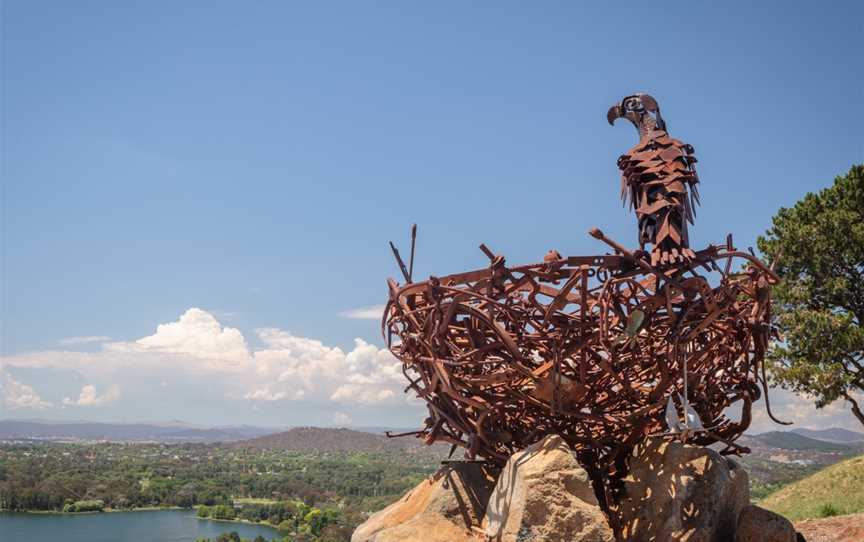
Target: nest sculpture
[[603, 350]]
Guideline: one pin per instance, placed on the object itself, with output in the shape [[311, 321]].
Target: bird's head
[[640, 109]]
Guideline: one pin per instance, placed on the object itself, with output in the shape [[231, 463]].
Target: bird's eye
[[632, 104]]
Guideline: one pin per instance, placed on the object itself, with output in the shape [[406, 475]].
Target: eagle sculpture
[[604, 350], [659, 181]]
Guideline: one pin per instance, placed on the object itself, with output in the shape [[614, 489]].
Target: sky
[[197, 196]]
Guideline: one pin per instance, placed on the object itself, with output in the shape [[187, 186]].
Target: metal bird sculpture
[[659, 181], [599, 349]]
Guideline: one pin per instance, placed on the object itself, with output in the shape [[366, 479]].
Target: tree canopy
[[819, 304]]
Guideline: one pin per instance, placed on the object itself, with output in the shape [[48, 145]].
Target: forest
[[309, 495]]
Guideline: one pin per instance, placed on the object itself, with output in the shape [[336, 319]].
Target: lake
[[145, 526]]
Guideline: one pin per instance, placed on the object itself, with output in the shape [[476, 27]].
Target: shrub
[[222, 511], [828, 510], [84, 506]]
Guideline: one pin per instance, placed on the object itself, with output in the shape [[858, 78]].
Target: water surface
[[145, 526]]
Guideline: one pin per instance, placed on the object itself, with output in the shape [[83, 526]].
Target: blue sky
[[252, 160]]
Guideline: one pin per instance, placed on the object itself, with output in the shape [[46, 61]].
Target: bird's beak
[[614, 112]]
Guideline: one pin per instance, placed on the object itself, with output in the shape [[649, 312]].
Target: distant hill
[[322, 439], [840, 485], [380, 430], [835, 434], [787, 440], [81, 430]]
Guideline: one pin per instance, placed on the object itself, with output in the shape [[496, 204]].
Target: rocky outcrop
[[680, 492], [759, 525], [832, 529], [446, 507], [673, 492], [544, 495]]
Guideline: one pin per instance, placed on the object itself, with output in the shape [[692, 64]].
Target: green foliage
[[234, 537], [84, 506], [203, 511], [759, 491], [222, 511], [819, 304], [828, 510]]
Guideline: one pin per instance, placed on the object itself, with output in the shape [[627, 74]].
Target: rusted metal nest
[[592, 348]]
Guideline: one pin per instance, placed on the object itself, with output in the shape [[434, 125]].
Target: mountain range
[[145, 431], [834, 434], [368, 439], [793, 440]]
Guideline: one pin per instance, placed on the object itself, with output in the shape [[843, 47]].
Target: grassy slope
[[841, 485]]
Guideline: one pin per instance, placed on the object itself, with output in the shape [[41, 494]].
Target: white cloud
[[366, 374], [789, 407], [69, 341], [197, 334], [14, 394], [341, 419], [285, 368], [358, 394], [375, 312], [264, 394], [89, 397]]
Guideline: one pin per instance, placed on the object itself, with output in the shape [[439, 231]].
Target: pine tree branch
[[856, 410]]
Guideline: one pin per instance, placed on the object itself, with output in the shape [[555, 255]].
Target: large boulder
[[544, 495], [759, 525], [446, 507], [679, 492]]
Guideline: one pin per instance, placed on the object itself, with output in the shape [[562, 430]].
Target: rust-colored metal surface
[[659, 180], [603, 350]]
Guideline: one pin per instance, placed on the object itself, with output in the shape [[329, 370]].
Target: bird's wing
[[671, 416], [691, 417]]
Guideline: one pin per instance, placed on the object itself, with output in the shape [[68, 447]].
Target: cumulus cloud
[[359, 394], [71, 341], [265, 394], [15, 395], [89, 397], [286, 367], [366, 374], [800, 410], [198, 335], [374, 312]]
